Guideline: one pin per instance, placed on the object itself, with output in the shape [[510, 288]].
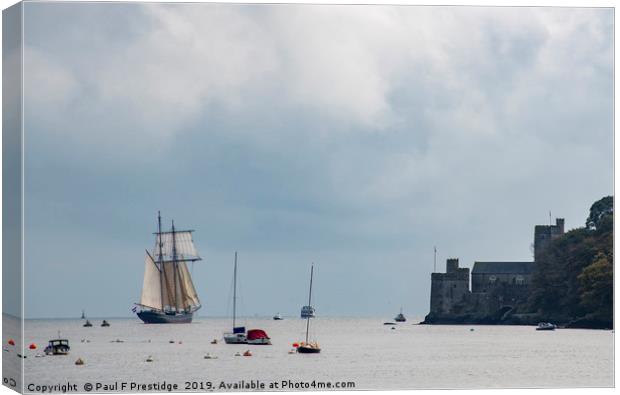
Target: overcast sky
[[355, 137]]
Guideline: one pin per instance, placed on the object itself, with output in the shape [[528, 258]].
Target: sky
[[354, 137]]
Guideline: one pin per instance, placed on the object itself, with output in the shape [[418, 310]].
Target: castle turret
[[544, 234]]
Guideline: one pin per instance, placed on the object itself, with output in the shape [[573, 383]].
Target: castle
[[496, 287]]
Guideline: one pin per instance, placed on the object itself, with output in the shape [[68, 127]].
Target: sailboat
[[83, 314], [307, 347], [400, 317], [238, 335], [168, 293]]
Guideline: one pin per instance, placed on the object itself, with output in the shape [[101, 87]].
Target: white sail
[[179, 292], [151, 287], [190, 297], [184, 246]]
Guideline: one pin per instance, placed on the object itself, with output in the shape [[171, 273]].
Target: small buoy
[[471, 329], [237, 354], [248, 353], [214, 341], [32, 346], [393, 327], [180, 342], [79, 361], [11, 342], [295, 345], [149, 359], [170, 341]]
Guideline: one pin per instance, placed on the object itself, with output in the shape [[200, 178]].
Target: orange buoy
[[248, 353], [32, 346], [12, 342]]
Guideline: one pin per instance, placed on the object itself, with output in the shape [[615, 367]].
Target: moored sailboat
[[238, 335], [168, 293], [307, 347], [400, 317]]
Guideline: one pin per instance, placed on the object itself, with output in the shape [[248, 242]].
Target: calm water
[[363, 351]]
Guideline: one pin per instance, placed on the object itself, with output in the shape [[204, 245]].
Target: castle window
[[520, 280], [492, 279]]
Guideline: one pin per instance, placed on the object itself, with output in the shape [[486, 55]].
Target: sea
[[357, 353]]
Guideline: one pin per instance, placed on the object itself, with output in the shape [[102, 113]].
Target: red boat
[[258, 336]]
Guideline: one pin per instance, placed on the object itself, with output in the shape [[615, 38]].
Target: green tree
[[599, 212], [597, 291]]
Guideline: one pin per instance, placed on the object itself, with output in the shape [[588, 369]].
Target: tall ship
[[168, 293]]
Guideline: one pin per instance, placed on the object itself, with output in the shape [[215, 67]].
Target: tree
[[599, 212], [597, 289]]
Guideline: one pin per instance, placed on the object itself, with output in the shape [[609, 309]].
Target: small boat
[[258, 336], [247, 353], [307, 312], [307, 347], [238, 335], [400, 317], [278, 317], [79, 361], [83, 314], [389, 323], [105, 323], [545, 326], [57, 347], [87, 324]]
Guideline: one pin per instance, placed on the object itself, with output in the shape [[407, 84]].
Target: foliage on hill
[[573, 281]]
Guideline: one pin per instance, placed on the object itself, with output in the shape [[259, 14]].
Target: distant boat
[[389, 323], [57, 347], [307, 347], [238, 335], [168, 293], [545, 326], [307, 312], [83, 314], [87, 324], [400, 317], [278, 317], [105, 323]]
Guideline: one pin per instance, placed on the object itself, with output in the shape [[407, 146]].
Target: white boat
[[278, 317], [545, 326], [238, 335]]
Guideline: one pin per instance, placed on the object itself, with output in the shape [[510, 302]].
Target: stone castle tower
[[449, 288], [544, 234]]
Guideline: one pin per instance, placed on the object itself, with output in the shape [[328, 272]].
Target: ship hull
[[156, 317]]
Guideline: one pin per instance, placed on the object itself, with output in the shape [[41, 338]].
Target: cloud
[[368, 133]]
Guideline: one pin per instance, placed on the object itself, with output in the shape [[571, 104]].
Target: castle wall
[[482, 282]]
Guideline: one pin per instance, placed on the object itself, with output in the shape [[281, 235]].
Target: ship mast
[[235, 291], [309, 302], [175, 268], [161, 259]]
